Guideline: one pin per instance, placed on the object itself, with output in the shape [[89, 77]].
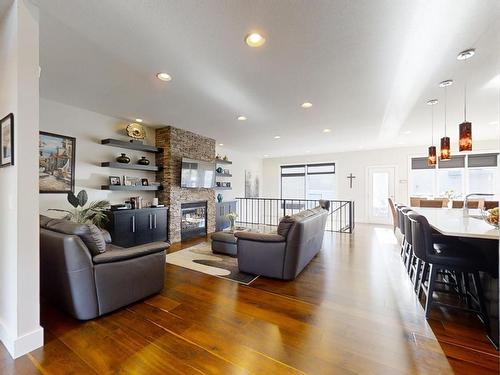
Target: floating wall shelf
[[137, 167], [130, 145], [221, 161], [130, 188], [223, 188], [223, 175]]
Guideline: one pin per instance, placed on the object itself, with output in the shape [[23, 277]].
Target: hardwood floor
[[352, 311]]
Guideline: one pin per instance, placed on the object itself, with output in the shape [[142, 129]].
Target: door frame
[[368, 192]]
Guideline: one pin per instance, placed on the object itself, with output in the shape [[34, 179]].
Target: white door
[[380, 187]]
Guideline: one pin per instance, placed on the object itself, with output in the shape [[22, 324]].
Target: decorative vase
[[219, 198], [124, 159], [219, 170], [143, 161], [231, 222]]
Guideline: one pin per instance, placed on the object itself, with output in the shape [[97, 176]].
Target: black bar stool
[[451, 256]]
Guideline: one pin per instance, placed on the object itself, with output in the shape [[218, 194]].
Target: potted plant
[[92, 214]]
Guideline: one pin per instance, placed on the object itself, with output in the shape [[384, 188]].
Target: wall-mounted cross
[[350, 177]]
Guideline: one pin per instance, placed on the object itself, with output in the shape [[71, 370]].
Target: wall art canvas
[[251, 184], [7, 141], [56, 163]]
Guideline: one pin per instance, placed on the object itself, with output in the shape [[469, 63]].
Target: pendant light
[[465, 128], [445, 141], [431, 159]]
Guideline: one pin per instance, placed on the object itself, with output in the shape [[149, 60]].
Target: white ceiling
[[367, 66]]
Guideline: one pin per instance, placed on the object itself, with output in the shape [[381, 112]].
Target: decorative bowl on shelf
[[491, 216]]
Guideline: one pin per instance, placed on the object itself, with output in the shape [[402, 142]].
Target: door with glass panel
[[381, 187]]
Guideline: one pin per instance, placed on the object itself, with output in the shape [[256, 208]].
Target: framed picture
[[7, 140], [115, 181], [56, 167], [144, 182]]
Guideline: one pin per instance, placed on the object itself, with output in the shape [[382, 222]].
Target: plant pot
[[143, 161], [124, 159]]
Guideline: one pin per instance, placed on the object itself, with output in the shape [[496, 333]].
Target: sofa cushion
[[90, 234], [261, 237], [286, 222], [116, 253], [44, 220]]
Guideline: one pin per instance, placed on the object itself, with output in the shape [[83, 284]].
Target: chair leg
[[466, 284], [421, 283], [416, 281], [480, 296], [430, 290]]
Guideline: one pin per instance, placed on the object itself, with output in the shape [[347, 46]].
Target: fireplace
[[193, 220]]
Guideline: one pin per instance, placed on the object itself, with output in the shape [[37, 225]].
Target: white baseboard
[[21, 345]]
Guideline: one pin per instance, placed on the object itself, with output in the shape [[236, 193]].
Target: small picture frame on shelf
[[144, 182], [115, 181]]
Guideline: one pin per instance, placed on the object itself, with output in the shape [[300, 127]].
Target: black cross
[[350, 177]]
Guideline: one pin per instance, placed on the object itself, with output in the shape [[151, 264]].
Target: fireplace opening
[[193, 220]]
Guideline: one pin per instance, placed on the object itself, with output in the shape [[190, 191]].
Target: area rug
[[200, 258]]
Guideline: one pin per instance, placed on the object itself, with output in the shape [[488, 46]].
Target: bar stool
[[401, 219], [452, 256]]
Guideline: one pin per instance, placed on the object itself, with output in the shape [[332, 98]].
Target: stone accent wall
[[176, 144]]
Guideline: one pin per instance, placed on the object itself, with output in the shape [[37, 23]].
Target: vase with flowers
[[450, 195], [232, 219]]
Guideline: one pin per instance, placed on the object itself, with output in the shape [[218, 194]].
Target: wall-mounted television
[[197, 174]]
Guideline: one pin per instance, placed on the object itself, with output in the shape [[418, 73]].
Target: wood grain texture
[[352, 311]]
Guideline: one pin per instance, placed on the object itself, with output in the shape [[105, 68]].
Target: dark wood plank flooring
[[352, 311]]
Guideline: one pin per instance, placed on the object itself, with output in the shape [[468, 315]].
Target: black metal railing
[[269, 211]]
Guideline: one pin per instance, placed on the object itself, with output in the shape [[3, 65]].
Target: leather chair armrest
[[260, 237], [117, 254]]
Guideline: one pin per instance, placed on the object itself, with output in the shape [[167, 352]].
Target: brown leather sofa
[[87, 284], [284, 254]]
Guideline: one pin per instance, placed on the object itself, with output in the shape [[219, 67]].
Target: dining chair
[[408, 254], [432, 203], [395, 221], [490, 204], [454, 256], [457, 204], [401, 210]]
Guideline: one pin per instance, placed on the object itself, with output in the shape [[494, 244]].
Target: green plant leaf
[[82, 198], [73, 200]]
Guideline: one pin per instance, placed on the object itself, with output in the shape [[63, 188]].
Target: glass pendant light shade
[[445, 148], [431, 159], [465, 141]]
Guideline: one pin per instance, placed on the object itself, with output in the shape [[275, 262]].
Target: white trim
[[19, 346]]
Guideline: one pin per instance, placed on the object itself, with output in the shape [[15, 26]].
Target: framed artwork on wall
[[7, 140], [56, 163]]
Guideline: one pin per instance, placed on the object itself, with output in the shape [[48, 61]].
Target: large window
[[464, 174], [308, 181]]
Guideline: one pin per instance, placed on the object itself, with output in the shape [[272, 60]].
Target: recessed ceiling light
[[266, 156], [242, 118], [164, 77], [255, 40], [408, 132], [493, 123], [306, 105], [446, 83], [308, 151], [467, 54], [277, 137], [221, 144], [327, 130], [432, 102], [138, 120]]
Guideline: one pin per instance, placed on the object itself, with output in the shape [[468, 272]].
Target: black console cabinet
[[136, 227]]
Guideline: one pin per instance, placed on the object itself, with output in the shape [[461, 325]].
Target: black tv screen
[[197, 174]]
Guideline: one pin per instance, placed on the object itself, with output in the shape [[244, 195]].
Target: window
[[308, 181], [464, 174]]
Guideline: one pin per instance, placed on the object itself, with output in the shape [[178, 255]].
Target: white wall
[[356, 163], [89, 128], [241, 163], [20, 329]]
